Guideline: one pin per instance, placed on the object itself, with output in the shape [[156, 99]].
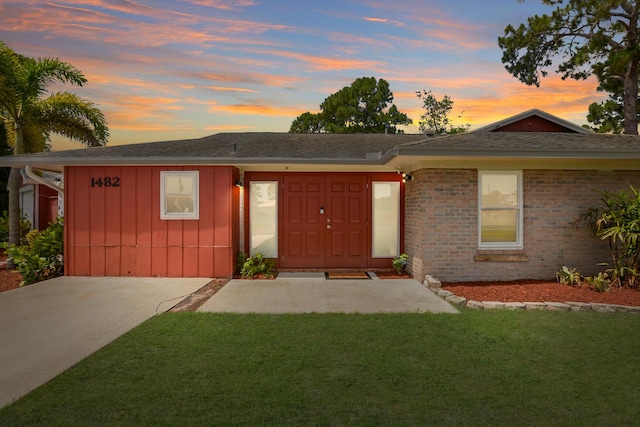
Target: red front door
[[325, 221]]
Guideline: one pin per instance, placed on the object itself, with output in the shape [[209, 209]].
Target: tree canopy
[[30, 113], [436, 116], [589, 37], [358, 108]]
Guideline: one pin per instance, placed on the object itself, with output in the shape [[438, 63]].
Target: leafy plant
[[41, 257], [25, 227], [599, 283], [569, 276], [399, 263], [617, 220], [258, 265]]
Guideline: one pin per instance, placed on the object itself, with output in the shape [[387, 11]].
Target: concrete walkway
[[48, 327], [311, 293]]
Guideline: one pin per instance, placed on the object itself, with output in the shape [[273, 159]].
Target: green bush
[[617, 220], [41, 257], [25, 227], [569, 276], [258, 265], [599, 283], [399, 263]]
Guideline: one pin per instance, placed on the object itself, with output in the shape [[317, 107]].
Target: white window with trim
[[263, 218], [500, 213], [179, 195], [386, 219]]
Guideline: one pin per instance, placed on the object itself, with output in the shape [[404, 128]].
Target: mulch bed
[[540, 291]]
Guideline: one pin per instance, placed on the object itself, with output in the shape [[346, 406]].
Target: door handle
[[328, 227]]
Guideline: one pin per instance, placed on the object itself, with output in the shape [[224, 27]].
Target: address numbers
[[105, 181]]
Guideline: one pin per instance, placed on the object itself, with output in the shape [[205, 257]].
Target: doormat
[[333, 275]]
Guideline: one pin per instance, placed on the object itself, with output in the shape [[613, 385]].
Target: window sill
[[501, 257]]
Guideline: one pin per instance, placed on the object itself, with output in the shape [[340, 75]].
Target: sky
[[164, 70]]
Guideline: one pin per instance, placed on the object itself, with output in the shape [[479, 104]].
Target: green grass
[[474, 368]]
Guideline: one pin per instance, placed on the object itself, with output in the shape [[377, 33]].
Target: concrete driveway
[[48, 327], [312, 293]]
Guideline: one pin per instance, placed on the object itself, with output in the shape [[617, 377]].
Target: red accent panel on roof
[[533, 124]]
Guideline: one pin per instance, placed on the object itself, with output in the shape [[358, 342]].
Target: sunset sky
[[164, 70]]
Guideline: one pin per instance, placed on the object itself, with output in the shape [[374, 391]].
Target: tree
[[608, 115], [591, 36], [359, 108], [436, 116], [31, 114], [307, 123]]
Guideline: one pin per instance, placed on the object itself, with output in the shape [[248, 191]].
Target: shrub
[[41, 257], [599, 283], [617, 220], [258, 265], [25, 227], [568, 276], [399, 263]]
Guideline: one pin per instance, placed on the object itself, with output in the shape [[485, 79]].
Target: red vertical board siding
[[222, 233], [117, 231], [206, 222], [128, 222], [68, 221], [97, 229], [144, 208], [81, 226]]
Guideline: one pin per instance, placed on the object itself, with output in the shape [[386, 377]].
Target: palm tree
[[31, 114]]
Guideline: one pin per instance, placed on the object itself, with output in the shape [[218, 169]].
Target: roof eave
[[132, 161], [547, 154]]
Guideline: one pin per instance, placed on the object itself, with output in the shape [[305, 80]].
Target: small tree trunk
[[13, 185], [14, 197]]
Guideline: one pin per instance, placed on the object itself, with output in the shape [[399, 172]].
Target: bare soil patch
[[9, 279], [540, 291]]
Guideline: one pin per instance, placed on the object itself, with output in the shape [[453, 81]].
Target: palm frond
[[69, 115], [40, 73]]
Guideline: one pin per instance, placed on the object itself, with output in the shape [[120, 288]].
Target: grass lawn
[[474, 368]]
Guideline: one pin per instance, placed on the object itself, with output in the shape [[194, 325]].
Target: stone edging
[[435, 286]]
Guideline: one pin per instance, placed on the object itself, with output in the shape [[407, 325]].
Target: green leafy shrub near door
[[256, 266], [399, 263], [41, 256]]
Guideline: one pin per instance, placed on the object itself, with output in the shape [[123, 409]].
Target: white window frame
[[518, 244], [195, 190], [252, 249], [374, 226]]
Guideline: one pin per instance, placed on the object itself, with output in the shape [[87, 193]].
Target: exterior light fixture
[[406, 177], [238, 183]]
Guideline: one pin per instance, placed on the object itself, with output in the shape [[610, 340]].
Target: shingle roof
[[526, 144], [345, 149], [225, 148]]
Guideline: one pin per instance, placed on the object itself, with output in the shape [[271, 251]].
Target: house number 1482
[[107, 181]]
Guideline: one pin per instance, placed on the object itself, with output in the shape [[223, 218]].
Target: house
[[497, 203], [40, 198]]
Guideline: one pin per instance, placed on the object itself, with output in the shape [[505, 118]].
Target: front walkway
[[312, 293]]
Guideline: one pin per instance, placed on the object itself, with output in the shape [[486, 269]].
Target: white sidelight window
[[500, 215], [386, 219], [263, 218], [179, 195]]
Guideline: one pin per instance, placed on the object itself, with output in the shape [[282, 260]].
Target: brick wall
[[441, 234]]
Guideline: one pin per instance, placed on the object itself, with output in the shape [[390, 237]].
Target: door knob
[[328, 227]]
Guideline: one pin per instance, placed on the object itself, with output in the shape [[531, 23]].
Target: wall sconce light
[[238, 183], [406, 177]]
